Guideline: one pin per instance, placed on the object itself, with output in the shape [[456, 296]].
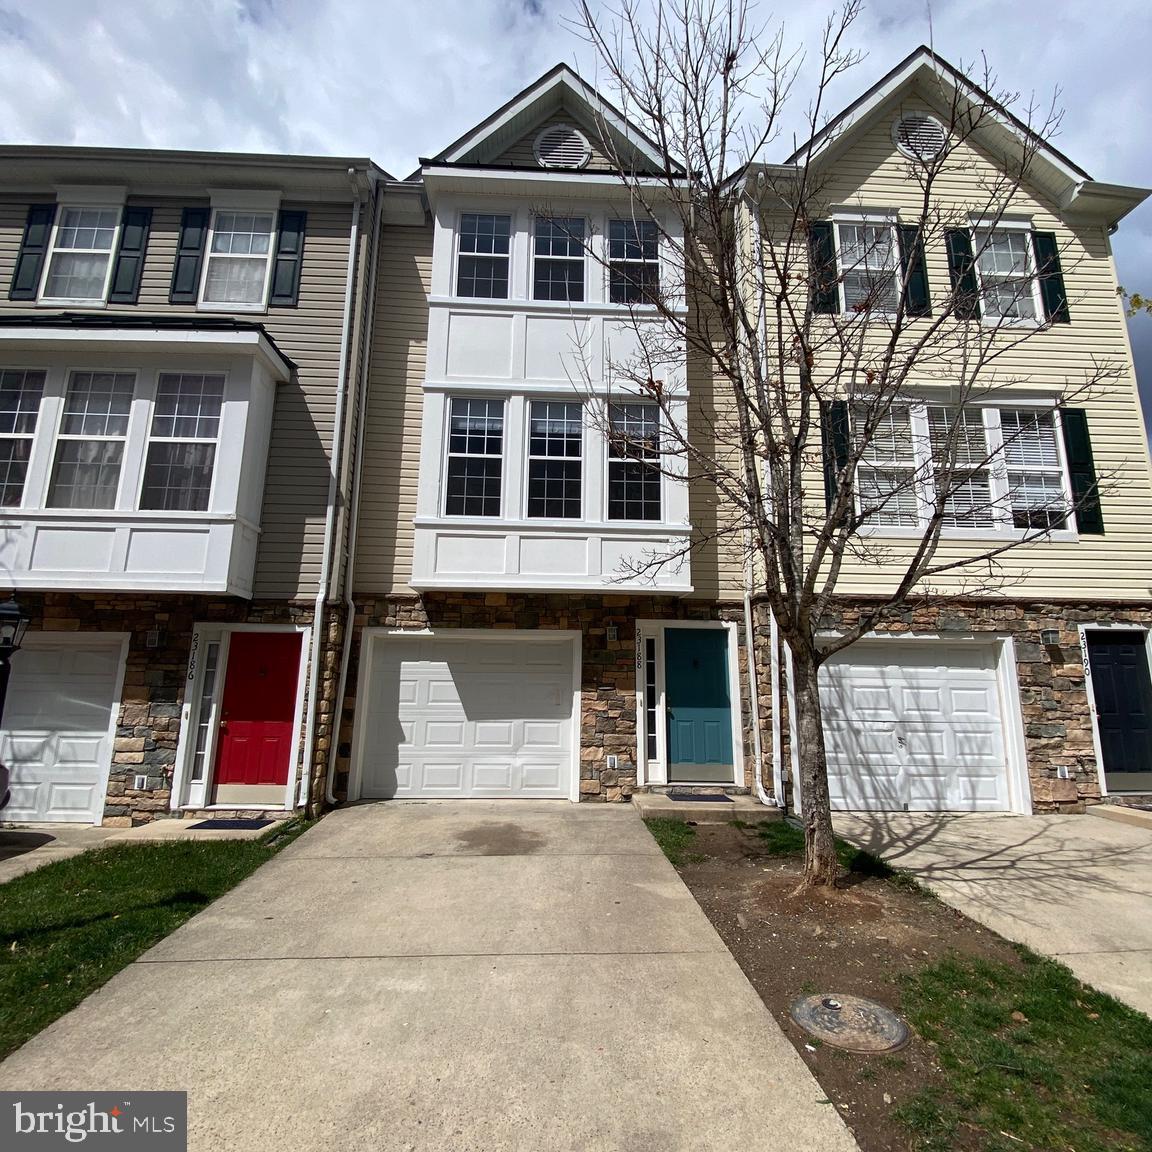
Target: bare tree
[[846, 425]]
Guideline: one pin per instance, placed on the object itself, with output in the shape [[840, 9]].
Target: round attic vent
[[919, 136], [562, 146]]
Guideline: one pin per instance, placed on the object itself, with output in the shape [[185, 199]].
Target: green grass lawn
[[70, 926]]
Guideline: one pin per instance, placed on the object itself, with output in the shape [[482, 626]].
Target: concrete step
[[1137, 817], [746, 808]]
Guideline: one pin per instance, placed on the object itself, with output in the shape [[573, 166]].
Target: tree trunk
[[821, 866]]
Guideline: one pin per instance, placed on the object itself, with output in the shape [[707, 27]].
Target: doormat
[[231, 825], [705, 797]]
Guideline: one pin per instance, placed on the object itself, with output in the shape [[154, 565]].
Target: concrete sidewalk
[[450, 975], [1072, 887]]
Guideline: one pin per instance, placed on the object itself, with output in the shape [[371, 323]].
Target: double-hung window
[[555, 450], [80, 263], [182, 442], [1007, 273], [869, 259], [633, 261], [482, 264], [1035, 473], [961, 466], [634, 476], [20, 393], [475, 457], [90, 446], [886, 475], [239, 256], [558, 258]]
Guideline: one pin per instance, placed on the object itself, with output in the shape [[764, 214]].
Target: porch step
[[746, 808], [1138, 817]]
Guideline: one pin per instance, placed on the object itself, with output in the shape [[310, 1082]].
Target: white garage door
[[915, 726], [57, 736], [469, 717]]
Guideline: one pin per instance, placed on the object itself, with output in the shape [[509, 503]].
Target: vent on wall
[[919, 136], [562, 146]]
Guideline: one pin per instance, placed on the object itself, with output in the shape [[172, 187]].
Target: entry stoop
[[657, 804]]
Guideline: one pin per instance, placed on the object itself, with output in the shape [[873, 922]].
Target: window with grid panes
[[182, 442], [238, 258], [1036, 492], [558, 258], [633, 261], [868, 258], [90, 446], [555, 448], [20, 393], [1007, 275], [960, 459], [81, 257], [634, 479], [482, 263], [475, 457], [885, 477]]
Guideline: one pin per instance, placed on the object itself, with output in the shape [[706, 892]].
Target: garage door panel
[[489, 775], [495, 734], [444, 733]]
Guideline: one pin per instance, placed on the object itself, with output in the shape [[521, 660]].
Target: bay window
[[90, 445], [20, 393], [182, 442], [633, 261], [475, 457], [558, 258], [555, 450], [634, 475], [485, 249], [80, 261]]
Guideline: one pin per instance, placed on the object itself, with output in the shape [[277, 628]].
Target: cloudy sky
[[396, 81]]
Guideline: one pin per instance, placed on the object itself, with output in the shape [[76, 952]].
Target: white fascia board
[[148, 339], [562, 177], [97, 195], [1111, 201]]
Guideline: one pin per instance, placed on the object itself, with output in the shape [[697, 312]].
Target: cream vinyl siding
[[392, 419], [296, 488], [522, 154], [871, 172]]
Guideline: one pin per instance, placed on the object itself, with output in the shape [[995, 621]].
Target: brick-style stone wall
[[608, 721], [1052, 681], [148, 723]]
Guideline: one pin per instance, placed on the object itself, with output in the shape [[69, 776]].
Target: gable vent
[[562, 146], [921, 137]]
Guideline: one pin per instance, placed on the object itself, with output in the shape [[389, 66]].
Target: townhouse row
[[322, 485]]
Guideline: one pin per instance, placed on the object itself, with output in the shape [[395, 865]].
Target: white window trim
[[262, 208], [876, 218], [978, 224], [533, 257], [81, 301], [446, 454], [457, 252]]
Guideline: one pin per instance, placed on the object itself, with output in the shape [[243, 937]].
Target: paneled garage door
[[915, 726], [57, 727], [468, 717]]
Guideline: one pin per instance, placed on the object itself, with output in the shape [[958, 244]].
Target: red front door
[[256, 732]]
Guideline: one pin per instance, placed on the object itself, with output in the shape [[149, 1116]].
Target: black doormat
[[230, 824], [705, 797]]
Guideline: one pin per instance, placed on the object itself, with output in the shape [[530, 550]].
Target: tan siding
[[522, 154], [395, 404], [296, 490]]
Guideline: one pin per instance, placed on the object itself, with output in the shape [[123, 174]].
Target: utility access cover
[[850, 1022]]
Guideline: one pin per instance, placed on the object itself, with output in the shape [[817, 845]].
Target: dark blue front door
[[1122, 690], [698, 705]]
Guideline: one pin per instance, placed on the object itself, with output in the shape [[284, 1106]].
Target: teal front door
[[698, 706]]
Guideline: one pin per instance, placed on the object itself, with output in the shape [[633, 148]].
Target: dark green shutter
[[822, 258], [914, 267], [33, 249], [962, 269], [1082, 471], [1051, 277], [189, 256], [834, 440], [289, 257], [129, 267]]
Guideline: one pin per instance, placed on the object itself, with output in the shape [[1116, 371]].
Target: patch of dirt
[[861, 939]]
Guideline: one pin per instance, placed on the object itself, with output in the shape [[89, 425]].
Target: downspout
[[354, 500], [333, 502]]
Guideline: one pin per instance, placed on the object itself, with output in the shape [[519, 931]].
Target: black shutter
[[1052, 292], [129, 265], [1082, 471], [33, 249], [289, 257], [962, 269], [822, 258], [834, 440], [189, 256], [914, 267]]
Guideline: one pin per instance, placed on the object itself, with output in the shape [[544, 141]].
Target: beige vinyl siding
[[522, 154], [394, 408], [296, 488], [870, 172]]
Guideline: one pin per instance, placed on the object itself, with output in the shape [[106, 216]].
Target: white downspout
[[333, 488], [354, 497]]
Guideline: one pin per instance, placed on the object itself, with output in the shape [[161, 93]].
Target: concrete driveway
[[1078, 888], [450, 975]]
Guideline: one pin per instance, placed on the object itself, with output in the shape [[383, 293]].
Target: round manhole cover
[[850, 1022]]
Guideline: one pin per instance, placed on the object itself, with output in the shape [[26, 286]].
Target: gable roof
[[559, 87]]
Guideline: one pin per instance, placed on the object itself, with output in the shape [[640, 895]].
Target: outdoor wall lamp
[[1050, 638]]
